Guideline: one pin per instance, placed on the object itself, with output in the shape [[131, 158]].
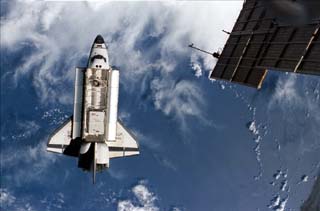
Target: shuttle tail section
[[94, 170]]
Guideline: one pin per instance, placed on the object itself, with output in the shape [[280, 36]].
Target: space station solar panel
[[258, 43]]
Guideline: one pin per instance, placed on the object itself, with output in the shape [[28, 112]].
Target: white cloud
[[29, 126], [145, 198], [117, 174], [146, 140], [291, 97], [285, 91], [304, 95], [10, 202], [61, 33], [25, 129], [196, 65], [164, 161], [278, 204], [6, 198], [124, 115], [32, 162], [177, 98]]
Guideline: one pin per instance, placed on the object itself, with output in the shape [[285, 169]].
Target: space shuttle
[[94, 133]]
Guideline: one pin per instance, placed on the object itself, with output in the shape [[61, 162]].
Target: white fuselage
[[99, 104], [94, 134]]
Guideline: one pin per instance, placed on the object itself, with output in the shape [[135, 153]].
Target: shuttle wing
[[61, 138], [125, 144]]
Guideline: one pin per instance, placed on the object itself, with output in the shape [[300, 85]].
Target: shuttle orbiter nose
[[99, 39]]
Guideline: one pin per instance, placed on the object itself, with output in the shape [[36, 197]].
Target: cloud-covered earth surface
[[205, 145]]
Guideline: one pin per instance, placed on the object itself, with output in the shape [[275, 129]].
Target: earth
[[204, 144]]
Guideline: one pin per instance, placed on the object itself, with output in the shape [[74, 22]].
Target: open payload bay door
[[125, 144]]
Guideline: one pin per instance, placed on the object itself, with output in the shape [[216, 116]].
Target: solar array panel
[[258, 43]]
